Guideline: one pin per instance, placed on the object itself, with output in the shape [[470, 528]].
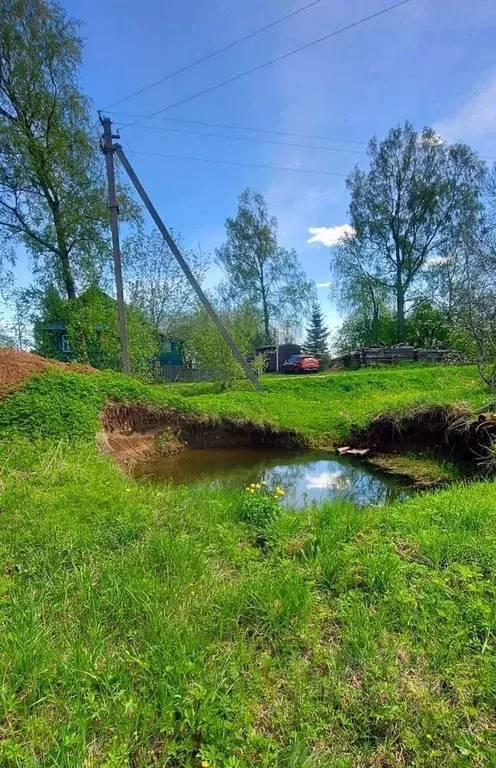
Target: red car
[[300, 364]]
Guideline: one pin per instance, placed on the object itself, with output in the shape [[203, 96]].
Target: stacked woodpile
[[400, 354]]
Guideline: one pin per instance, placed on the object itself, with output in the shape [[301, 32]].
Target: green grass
[[425, 470], [325, 406], [147, 625]]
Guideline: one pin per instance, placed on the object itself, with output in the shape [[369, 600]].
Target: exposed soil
[[16, 367], [135, 431], [453, 433]]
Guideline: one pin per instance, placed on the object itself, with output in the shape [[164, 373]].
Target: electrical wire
[[213, 54], [245, 128], [252, 139], [268, 63], [234, 162]]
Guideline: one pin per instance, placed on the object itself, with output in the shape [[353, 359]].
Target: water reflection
[[307, 478]]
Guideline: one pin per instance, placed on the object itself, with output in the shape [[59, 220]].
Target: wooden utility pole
[[250, 373], [108, 150]]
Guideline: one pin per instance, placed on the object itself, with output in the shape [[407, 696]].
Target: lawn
[[325, 406], [148, 625]]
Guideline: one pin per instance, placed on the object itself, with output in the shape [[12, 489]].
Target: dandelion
[[252, 485], [205, 764], [252, 490]]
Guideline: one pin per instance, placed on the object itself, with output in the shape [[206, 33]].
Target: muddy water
[[307, 478]]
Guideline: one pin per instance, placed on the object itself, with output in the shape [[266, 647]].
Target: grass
[[149, 625], [424, 469], [325, 406]]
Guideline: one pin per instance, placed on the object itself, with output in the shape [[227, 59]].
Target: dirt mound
[[16, 367], [135, 430]]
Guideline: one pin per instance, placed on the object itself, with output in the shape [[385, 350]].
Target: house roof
[[55, 327]]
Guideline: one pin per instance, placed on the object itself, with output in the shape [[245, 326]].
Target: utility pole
[[108, 150], [250, 373]]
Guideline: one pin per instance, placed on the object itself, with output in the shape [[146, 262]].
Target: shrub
[[260, 504]]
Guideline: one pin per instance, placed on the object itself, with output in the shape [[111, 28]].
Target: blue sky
[[431, 61]]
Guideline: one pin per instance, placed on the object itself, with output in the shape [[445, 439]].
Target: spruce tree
[[317, 333]]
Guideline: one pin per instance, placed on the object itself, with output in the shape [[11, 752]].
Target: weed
[[260, 505]]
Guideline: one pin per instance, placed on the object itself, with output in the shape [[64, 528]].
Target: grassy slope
[[146, 626], [325, 406]]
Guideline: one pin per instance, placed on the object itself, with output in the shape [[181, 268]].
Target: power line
[[234, 162], [214, 53], [268, 63], [258, 141], [245, 128]]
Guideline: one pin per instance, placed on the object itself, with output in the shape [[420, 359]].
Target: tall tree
[[414, 202], [52, 191], [155, 283], [317, 333], [260, 269], [357, 292]]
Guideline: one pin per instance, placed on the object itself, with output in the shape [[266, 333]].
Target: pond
[[307, 478]]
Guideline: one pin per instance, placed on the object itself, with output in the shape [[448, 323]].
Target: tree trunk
[[63, 253], [68, 279], [375, 325], [400, 313], [266, 318]]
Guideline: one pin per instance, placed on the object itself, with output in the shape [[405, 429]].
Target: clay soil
[[133, 432], [16, 367]]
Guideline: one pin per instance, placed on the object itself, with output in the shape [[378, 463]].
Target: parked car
[[300, 364]]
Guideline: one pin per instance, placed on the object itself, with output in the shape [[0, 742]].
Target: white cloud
[[434, 261], [476, 119], [330, 235], [332, 481], [323, 285]]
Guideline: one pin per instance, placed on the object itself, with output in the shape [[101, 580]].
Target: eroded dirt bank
[[134, 431], [448, 433]]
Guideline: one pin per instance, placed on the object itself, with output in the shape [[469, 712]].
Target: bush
[[260, 505]]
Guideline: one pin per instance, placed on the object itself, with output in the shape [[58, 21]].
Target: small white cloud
[[435, 261], [332, 481], [330, 235], [323, 285]]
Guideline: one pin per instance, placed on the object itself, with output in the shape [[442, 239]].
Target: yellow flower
[[205, 764], [252, 485], [128, 490], [248, 489], [281, 492], [258, 486], [252, 490], [264, 482]]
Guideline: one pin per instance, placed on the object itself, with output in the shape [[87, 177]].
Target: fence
[[389, 355], [187, 373]]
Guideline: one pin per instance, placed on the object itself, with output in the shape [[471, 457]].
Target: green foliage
[[260, 505], [361, 330], [324, 406], [143, 626], [61, 405], [259, 269], [317, 334], [155, 283], [416, 201], [53, 196], [92, 327], [205, 347]]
